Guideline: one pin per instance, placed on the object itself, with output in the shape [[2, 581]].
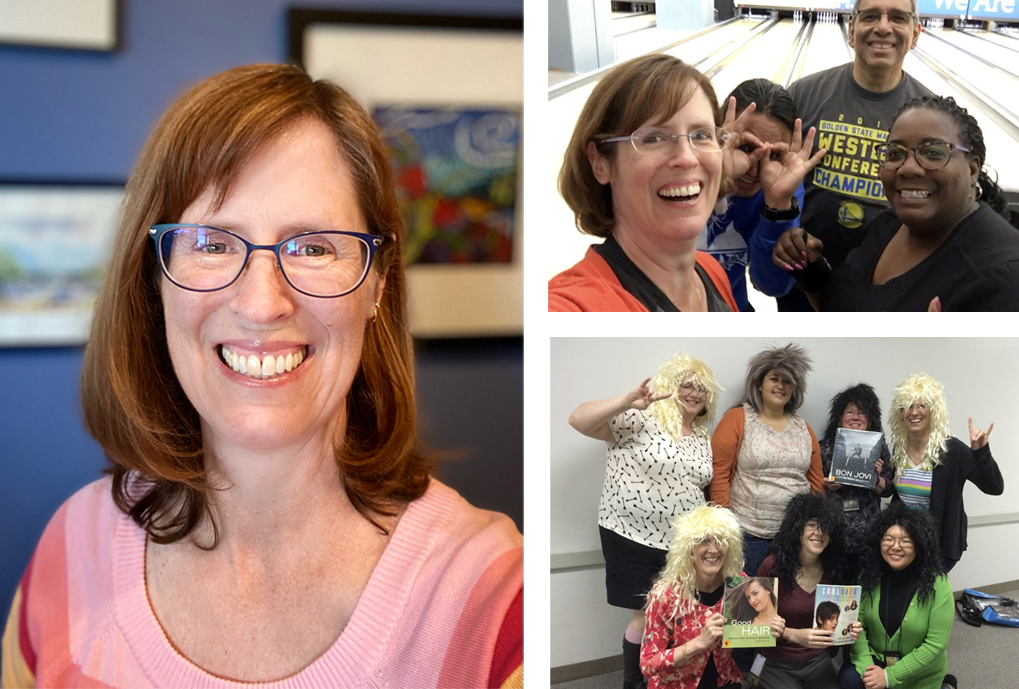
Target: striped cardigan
[[443, 607], [922, 638]]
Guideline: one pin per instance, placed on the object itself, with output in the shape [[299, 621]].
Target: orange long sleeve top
[[725, 444]]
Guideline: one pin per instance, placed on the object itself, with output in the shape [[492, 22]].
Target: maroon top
[[797, 607]]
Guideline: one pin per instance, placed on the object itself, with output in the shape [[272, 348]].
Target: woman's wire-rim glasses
[[904, 543], [658, 140], [930, 155], [163, 236]]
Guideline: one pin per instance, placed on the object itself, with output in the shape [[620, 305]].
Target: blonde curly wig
[[668, 413], [923, 389], [690, 529]]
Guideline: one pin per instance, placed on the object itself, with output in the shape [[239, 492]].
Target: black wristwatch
[[775, 215]]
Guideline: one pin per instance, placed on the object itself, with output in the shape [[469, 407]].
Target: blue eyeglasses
[[201, 258]]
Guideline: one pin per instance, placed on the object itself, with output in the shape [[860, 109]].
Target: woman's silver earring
[[375, 314], [980, 191]]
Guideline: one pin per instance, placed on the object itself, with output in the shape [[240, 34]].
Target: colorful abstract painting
[[456, 181]]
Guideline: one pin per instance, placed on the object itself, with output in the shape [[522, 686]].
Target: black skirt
[[630, 569]]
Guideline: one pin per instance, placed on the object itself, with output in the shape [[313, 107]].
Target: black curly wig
[[921, 528], [865, 399], [786, 546]]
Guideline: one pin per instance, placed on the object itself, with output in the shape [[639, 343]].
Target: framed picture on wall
[[55, 244], [77, 25], [447, 93]]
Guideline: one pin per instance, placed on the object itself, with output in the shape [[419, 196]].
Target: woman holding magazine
[[906, 609], [682, 646], [856, 408], [809, 549]]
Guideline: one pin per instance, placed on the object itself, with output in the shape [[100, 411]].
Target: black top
[[709, 679], [843, 193], [897, 590], [976, 269], [640, 286], [958, 465]]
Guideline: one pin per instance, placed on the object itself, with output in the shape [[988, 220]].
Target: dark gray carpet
[[981, 658]]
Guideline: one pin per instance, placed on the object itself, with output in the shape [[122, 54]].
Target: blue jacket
[[740, 237]]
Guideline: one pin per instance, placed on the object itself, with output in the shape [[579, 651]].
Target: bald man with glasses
[[852, 107]]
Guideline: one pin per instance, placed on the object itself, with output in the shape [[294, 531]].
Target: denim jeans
[[754, 551]]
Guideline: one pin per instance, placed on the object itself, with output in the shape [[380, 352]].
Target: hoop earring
[[980, 191]]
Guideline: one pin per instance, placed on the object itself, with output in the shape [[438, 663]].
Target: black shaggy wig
[[786, 546], [921, 528], [865, 399]]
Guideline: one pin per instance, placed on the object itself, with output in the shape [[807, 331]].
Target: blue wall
[[81, 116]]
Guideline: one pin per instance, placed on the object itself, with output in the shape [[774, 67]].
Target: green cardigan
[[924, 633]]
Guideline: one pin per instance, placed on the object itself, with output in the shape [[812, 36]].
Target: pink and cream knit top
[[442, 608]]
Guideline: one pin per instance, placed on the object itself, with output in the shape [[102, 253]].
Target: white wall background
[[980, 375]]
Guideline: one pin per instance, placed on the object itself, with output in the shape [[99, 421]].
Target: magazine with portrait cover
[[854, 457], [750, 605], [835, 608]]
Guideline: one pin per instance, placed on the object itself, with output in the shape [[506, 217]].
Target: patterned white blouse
[[771, 468], [649, 479]]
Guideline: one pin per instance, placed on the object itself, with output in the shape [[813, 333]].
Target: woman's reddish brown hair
[[135, 406]]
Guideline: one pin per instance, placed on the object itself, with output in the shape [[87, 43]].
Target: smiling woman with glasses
[[658, 465], [809, 550], [856, 408], [643, 171], [932, 467], [268, 517], [944, 245], [906, 608]]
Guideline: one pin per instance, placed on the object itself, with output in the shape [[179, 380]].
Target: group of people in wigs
[[682, 510]]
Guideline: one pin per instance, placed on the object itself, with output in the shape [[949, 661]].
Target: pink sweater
[[441, 609]]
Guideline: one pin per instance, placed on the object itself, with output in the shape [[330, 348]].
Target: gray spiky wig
[[689, 529], [921, 388], [792, 360], [668, 413]]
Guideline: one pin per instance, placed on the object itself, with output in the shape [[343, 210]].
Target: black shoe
[[951, 681]]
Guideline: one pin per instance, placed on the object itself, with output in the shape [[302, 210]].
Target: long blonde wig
[[923, 389], [690, 529], [668, 412]]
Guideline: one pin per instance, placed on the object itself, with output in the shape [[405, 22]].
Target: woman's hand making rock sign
[[977, 437], [642, 396]]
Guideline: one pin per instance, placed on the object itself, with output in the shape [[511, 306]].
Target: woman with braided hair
[[659, 463], [931, 467], [944, 244]]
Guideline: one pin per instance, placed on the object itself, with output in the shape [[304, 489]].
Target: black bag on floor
[[975, 608]]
